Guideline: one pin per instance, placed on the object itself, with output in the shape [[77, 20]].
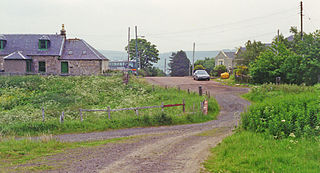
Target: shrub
[[297, 114]]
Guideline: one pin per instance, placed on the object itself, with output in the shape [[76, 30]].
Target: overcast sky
[[172, 25]]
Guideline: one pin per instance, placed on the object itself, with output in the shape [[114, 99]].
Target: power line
[[231, 23]]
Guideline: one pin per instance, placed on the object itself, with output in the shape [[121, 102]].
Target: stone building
[[226, 58], [50, 54]]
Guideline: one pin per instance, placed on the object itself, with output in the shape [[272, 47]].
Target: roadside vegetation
[[23, 97], [279, 133]]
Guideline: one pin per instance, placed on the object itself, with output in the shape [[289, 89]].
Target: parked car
[[201, 75]]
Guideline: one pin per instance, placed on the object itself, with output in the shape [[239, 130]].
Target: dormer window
[[3, 42], [44, 43]]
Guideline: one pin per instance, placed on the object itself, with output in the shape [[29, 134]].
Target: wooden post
[[209, 95], [201, 106], [42, 114], [62, 117], [200, 90], [188, 90], [137, 112], [183, 106], [206, 93], [81, 118], [109, 112], [152, 87], [162, 107], [179, 88]]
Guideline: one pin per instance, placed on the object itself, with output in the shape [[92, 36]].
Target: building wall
[[228, 62], [84, 67], [105, 65], [52, 64], [15, 66], [1, 63]]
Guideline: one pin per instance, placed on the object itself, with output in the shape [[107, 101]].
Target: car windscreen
[[202, 72]]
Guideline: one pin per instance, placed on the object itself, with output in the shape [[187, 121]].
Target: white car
[[201, 75]]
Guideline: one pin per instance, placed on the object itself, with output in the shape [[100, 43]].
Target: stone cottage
[[49, 54], [226, 58]]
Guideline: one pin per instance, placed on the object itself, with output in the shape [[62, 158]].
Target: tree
[[253, 50], [179, 64], [199, 67], [147, 52], [207, 63]]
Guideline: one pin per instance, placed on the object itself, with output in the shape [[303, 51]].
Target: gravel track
[[157, 149]]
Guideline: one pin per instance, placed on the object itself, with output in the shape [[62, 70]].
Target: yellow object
[[225, 75]]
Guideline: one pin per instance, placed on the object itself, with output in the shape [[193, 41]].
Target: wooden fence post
[[178, 88], [201, 106], [62, 117], [152, 88], [200, 90], [137, 112], [109, 112], [42, 114], [209, 95], [188, 90], [162, 107], [166, 87], [81, 118], [183, 106]]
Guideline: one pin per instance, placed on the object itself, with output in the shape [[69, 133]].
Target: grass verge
[[16, 152], [251, 152]]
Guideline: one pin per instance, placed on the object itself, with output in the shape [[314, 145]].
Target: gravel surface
[[178, 148]]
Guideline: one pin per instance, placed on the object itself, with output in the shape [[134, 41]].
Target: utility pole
[[137, 58], [301, 16], [128, 50], [165, 66], [278, 34], [194, 47]]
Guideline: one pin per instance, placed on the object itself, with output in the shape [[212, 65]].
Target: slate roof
[[230, 54], [18, 55], [78, 49], [28, 44]]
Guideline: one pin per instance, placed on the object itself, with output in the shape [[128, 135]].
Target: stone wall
[[15, 66], [1, 63], [84, 67], [52, 64]]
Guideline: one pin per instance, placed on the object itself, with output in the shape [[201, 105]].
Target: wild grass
[[279, 133], [23, 97], [247, 151]]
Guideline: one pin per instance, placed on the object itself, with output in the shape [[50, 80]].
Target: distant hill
[[199, 55]]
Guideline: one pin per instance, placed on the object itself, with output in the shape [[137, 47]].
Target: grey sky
[[170, 24]]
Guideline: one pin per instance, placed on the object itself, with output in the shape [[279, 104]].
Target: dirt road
[[179, 148]]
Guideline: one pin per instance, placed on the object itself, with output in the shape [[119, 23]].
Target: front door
[[64, 67]]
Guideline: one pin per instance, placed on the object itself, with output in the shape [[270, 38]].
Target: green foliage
[[21, 100], [147, 52], [253, 50], [179, 64], [199, 67], [207, 63], [251, 152], [286, 113], [296, 62], [219, 69]]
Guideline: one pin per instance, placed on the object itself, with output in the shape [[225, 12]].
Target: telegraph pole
[[137, 58], [165, 66], [278, 34], [194, 47], [128, 50], [301, 16]]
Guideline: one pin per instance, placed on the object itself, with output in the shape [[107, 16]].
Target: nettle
[[297, 114]]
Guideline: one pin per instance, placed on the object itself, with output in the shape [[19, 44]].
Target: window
[[43, 44], [1, 44], [220, 62], [42, 66], [28, 68]]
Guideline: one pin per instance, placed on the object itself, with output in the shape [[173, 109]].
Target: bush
[[291, 114], [219, 69]]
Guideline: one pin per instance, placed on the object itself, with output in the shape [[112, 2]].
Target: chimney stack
[[63, 31]]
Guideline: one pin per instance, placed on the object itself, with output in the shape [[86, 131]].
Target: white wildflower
[[292, 135], [283, 121]]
